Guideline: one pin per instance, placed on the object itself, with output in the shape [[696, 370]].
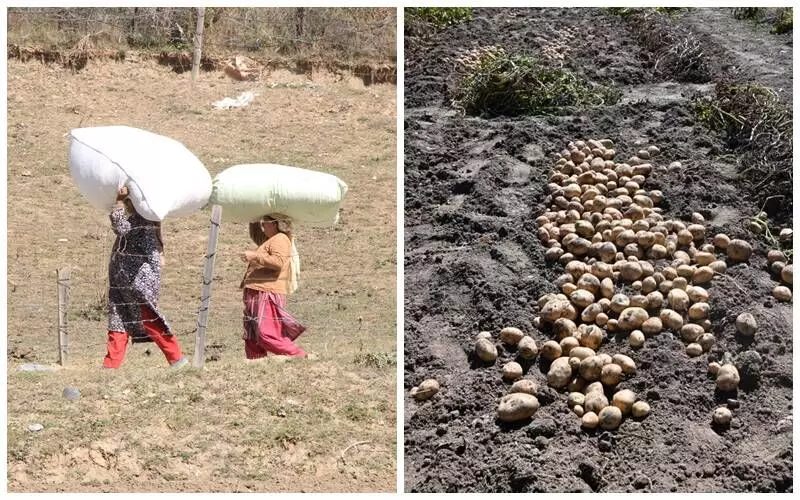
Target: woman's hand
[[247, 255]]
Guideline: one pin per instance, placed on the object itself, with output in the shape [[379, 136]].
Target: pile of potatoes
[[557, 44], [627, 270], [579, 369], [782, 270], [520, 403]]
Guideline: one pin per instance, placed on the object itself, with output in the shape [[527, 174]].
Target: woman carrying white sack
[[271, 275]]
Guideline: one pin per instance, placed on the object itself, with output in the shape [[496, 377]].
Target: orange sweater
[[270, 270]]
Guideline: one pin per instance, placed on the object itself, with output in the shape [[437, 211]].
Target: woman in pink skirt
[[270, 276]]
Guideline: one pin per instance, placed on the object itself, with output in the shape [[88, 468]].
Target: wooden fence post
[[198, 43], [205, 296], [63, 299]]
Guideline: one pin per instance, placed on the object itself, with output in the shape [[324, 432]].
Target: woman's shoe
[[179, 364]]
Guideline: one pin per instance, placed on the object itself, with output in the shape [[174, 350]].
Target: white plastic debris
[[33, 367], [241, 101]]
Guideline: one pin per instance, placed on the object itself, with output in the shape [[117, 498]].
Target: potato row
[[627, 270]]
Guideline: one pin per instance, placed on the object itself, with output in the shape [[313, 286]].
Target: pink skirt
[[268, 327]]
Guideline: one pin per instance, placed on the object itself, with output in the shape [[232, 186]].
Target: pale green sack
[[308, 197]]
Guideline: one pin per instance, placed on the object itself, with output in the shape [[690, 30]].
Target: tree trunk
[[301, 14], [198, 43]]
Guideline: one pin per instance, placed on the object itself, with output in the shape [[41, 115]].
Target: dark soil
[[473, 188]]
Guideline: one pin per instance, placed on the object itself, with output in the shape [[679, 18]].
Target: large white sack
[[246, 192], [164, 178]]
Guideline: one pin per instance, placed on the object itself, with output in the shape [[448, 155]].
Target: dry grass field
[[322, 425]]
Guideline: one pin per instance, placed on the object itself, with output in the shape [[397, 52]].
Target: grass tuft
[[377, 360], [440, 17]]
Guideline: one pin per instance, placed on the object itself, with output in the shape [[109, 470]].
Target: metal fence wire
[[76, 294]]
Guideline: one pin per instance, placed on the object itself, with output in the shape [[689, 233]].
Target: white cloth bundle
[[164, 178]]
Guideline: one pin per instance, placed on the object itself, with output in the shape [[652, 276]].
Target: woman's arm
[[120, 222], [275, 256]]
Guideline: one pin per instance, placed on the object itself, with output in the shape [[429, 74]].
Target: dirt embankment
[[77, 59]]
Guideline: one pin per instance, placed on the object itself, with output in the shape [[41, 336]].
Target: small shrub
[[745, 113], [377, 360], [500, 84]]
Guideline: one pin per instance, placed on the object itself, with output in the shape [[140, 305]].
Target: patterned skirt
[[265, 316]]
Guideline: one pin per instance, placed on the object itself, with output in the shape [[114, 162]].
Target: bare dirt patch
[[234, 426], [473, 262]]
